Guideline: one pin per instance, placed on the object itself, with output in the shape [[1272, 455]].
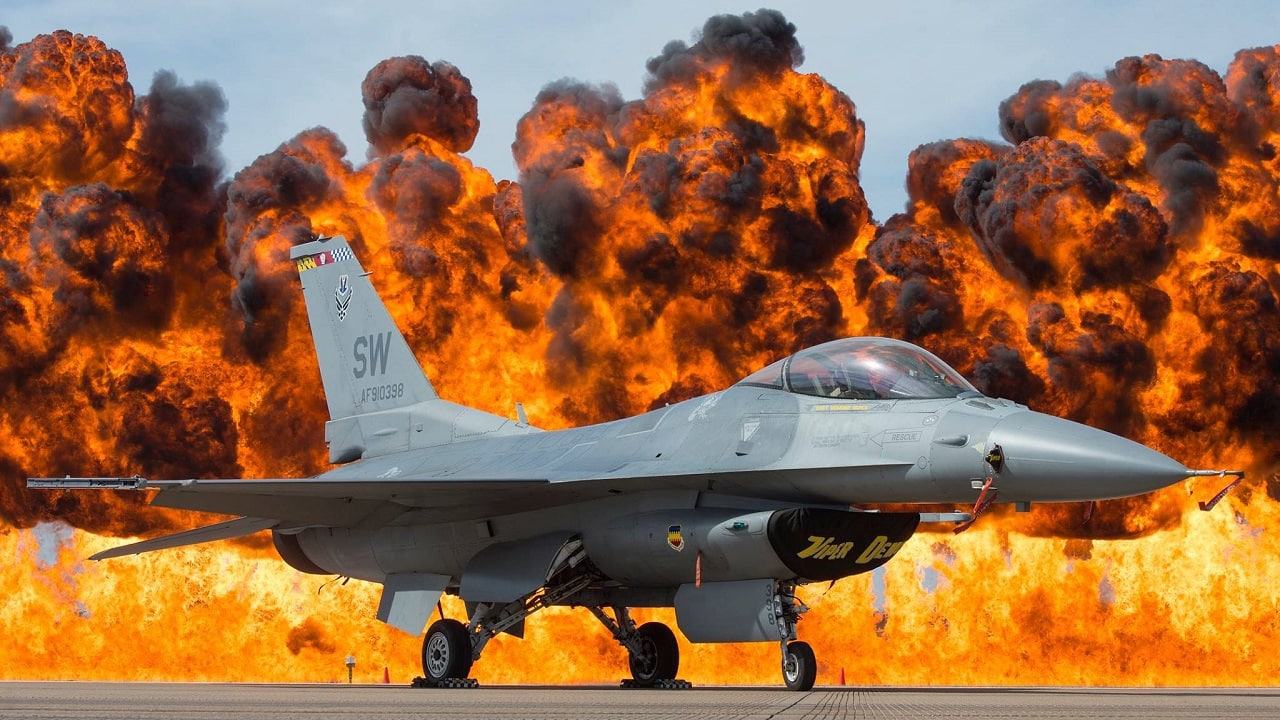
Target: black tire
[[660, 656], [799, 667], [446, 650]]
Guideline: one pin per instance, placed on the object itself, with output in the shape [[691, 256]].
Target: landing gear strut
[[652, 651], [450, 647], [799, 667]]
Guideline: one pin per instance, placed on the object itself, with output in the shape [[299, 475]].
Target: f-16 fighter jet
[[719, 506]]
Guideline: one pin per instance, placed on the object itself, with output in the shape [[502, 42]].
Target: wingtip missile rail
[[137, 482]]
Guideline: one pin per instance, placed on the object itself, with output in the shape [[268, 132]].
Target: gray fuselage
[[705, 461]]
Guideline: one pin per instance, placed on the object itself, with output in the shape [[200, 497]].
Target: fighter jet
[[719, 506]]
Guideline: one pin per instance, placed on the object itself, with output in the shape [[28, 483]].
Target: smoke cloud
[[1113, 261], [404, 96]]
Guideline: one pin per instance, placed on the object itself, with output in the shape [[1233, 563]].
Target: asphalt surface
[[176, 701]]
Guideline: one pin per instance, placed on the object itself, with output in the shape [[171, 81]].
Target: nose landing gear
[[799, 667]]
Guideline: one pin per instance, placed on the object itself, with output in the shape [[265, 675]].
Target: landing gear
[[799, 668], [446, 651], [652, 651], [450, 647], [658, 657]]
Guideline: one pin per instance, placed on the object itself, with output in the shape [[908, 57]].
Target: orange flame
[[1116, 264]]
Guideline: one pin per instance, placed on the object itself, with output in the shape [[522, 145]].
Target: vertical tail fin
[[365, 364], [380, 402]]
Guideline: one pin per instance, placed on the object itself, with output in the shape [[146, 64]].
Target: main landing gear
[[446, 651], [652, 651], [449, 647]]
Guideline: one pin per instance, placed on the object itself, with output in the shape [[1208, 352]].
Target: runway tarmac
[[220, 701]]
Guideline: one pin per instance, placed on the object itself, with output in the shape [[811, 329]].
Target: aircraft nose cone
[[1053, 459]]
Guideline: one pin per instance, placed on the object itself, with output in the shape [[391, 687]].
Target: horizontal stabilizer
[[209, 533]]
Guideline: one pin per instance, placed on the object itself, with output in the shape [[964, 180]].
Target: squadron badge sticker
[[674, 539]]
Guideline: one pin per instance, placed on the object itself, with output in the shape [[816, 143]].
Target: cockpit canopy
[[864, 368]]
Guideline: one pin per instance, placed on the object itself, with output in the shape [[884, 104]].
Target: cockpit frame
[[864, 368]]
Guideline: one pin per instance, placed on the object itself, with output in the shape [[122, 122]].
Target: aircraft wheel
[[446, 650], [799, 667], [659, 658]]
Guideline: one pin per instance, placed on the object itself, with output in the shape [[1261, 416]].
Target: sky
[[918, 71]]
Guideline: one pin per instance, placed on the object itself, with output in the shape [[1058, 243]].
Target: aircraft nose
[[1052, 459]]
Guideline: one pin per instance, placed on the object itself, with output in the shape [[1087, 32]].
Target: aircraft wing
[[345, 503], [348, 502], [325, 501]]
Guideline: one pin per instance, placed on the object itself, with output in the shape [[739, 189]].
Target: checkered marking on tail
[[311, 262]]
